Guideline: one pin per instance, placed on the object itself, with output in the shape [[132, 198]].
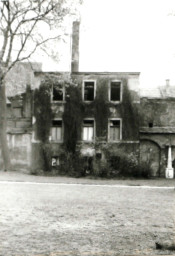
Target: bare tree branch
[[30, 54], [21, 19]]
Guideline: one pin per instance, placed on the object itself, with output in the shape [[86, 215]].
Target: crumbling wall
[[158, 112], [19, 130]]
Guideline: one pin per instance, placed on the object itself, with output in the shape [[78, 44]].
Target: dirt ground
[[91, 219]]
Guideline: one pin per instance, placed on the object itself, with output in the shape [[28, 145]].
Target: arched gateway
[[150, 153]]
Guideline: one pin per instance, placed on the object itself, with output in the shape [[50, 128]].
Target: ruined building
[[113, 118]]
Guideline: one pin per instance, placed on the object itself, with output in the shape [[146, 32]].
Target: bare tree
[[20, 33]]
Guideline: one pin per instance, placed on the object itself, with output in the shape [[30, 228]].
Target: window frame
[[62, 131], [63, 90], [121, 91], [114, 119], [83, 90], [94, 130]]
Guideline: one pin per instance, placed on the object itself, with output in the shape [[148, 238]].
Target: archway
[[150, 153]]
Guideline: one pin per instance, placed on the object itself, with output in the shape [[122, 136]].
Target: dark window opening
[[88, 123], [115, 123], [88, 91], [115, 91], [56, 123], [57, 93], [150, 125]]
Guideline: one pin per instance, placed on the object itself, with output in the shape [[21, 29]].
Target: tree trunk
[[3, 127]]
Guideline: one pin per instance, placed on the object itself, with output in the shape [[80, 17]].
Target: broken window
[[58, 92], [89, 90], [114, 130], [115, 91], [88, 130], [57, 130]]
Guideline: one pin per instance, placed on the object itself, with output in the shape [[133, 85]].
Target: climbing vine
[[130, 114], [72, 117], [101, 108], [42, 112], [43, 115]]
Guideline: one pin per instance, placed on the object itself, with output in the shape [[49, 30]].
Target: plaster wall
[[20, 151]]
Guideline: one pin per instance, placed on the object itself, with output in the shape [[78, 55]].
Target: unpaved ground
[[24, 177], [57, 219]]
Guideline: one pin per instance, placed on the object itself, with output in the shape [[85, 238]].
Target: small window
[[88, 130], [150, 125], [115, 91], [58, 92], [57, 130], [89, 91], [114, 130]]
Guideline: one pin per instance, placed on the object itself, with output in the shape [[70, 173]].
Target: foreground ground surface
[[65, 218]]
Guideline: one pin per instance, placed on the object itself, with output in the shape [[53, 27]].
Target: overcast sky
[[128, 35]]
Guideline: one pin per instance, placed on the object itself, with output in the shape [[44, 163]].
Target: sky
[[128, 36]]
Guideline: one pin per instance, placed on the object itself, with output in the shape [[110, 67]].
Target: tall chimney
[[167, 82], [75, 47]]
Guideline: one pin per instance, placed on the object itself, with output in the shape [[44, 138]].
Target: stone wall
[[157, 131], [19, 130]]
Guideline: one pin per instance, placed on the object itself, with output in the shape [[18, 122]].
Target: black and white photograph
[[87, 127]]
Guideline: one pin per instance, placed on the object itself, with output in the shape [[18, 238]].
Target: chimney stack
[[75, 47], [167, 82]]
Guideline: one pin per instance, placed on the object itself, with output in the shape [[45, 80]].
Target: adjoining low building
[[157, 129], [19, 113]]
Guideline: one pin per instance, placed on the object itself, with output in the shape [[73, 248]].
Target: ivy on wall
[[101, 108], [130, 114], [75, 110], [72, 117], [42, 112], [43, 115]]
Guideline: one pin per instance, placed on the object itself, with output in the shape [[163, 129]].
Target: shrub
[[127, 165], [72, 164]]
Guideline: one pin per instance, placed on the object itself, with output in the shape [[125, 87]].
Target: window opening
[[88, 130], [114, 130], [115, 91], [150, 125], [89, 90], [58, 92], [56, 130]]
